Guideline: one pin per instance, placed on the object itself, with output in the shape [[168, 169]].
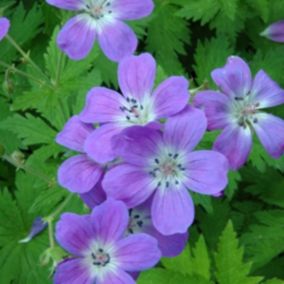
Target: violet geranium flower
[[138, 104], [102, 254], [79, 173], [275, 31], [102, 20], [4, 27], [238, 111], [164, 165]]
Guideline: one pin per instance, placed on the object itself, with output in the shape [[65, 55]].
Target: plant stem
[[25, 55], [60, 207], [24, 74]]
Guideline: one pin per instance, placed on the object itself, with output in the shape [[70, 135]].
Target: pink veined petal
[[72, 271], [215, 106], [117, 40], [102, 105], [129, 184], [109, 220], [74, 233], [136, 144], [67, 4], [4, 27], [270, 131], [172, 211], [206, 172], [74, 134], [186, 129], [266, 92], [99, 145], [79, 174], [132, 9], [137, 252], [136, 75], [235, 143], [234, 79], [116, 277], [77, 37], [275, 31], [171, 96]]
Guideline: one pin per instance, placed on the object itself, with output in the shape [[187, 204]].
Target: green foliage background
[[238, 239]]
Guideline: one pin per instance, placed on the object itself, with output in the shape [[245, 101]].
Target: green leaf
[[29, 128], [230, 268]]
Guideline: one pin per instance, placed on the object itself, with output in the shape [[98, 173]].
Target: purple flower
[[37, 227], [138, 104], [237, 110], [102, 20], [165, 165], [140, 221], [102, 254], [275, 31], [79, 173], [4, 27]]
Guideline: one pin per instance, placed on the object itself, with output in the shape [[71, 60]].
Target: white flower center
[[244, 111], [135, 112], [98, 9], [138, 220], [168, 169]]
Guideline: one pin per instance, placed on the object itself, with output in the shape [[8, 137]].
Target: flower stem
[[25, 55]]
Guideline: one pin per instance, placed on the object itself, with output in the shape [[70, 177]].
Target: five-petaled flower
[[102, 19], [136, 106], [165, 165], [101, 252], [4, 27], [238, 111]]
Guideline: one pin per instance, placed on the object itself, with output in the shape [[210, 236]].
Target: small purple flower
[[37, 227], [79, 173], [102, 254], [237, 110], [102, 20], [4, 27], [138, 104], [275, 31], [164, 165]]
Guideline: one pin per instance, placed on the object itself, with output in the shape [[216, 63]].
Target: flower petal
[[138, 252], [72, 271], [185, 130], [4, 27], [74, 134], [128, 184], [266, 92], [136, 144], [79, 174], [116, 277], [74, 233], [234, 79], [102, 105], [95, 196], [136, 75], [117, 40], [99, 145], [172, 211], [109, 220], [133, 9], [171, 96], [275, 31], [206, 172], [77, 37], [170, 246], [66, 4], [216, 107], [235, 143], [270, 131]]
